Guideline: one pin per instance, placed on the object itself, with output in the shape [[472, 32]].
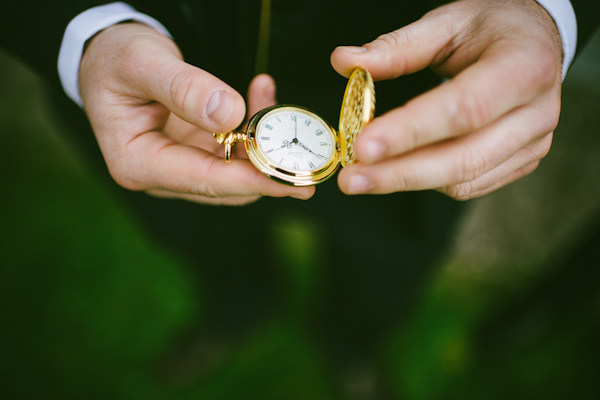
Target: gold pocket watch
[[295, 146]]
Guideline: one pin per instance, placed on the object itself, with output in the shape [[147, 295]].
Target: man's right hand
[[154, 115]]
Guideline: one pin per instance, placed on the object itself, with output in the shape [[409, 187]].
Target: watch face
[[295, 139], [292, 145]]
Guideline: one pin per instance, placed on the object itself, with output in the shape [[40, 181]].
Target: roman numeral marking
[[311, 165], [296, 165], [319, 132], [269, 127], [265, 138], [307, 122], [322, 143]]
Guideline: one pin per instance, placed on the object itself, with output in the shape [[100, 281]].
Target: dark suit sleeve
[[588, 20]]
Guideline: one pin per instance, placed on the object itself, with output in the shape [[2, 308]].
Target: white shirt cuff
[[82, 28], [564, 17]]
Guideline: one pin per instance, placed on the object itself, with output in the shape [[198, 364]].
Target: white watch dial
[[295, 140]]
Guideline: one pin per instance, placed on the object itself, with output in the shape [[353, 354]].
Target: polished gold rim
[[358, 108], [283, 175]]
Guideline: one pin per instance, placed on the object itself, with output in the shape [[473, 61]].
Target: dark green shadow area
[[87, 300]]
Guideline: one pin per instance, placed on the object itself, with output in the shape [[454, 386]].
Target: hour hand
[[286, 143]]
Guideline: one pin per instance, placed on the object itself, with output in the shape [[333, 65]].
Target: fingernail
[[360, 184], [354, 49], [219, 106], [373, 150]]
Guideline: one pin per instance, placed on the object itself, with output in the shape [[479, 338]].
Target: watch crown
[[229, 139]]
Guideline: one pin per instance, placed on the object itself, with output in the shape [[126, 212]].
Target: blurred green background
[[91, 307]]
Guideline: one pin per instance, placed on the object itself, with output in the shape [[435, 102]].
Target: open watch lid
[[358, 108]]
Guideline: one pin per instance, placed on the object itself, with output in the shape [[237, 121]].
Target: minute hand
[[306, 148]]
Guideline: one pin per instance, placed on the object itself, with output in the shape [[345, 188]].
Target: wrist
[[563, 15]]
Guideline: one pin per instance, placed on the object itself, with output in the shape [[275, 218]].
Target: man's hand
[[154, 115], [489, 125]]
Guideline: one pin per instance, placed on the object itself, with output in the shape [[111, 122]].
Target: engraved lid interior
[[358, 108]]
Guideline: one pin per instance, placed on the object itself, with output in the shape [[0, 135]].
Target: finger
[[404, 51], [158, 163], [462, 159], [449, 38], [185, 133], [225, 201], [504, 78], [460, 193], [261, 94], [517, 166]]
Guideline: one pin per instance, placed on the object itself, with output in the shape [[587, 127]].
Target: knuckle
[[538, 69], [413, 136], [542, 148], [180, 89], [552, 115], [547, 67], [462, 191], [545, 144], [538, 150], [205, 187], [470, 111], [522, 172], [124, 177], [210, 191], [471, 165], [393, 41], [400, 180]]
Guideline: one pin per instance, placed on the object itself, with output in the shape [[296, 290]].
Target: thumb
[[404, 51], [195, 95], [138, 64]]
